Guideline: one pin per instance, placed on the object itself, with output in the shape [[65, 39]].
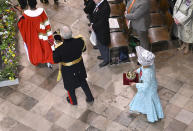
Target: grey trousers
[[143, 38], [104, 50]]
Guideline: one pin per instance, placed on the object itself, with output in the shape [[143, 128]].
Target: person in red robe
[[36, 32]]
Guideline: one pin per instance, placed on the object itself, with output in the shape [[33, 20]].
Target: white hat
[[145, 57]]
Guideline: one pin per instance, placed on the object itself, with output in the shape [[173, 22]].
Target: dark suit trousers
[[143, 38], [104, 50], [86, 89], [47, 1], [89, 17]]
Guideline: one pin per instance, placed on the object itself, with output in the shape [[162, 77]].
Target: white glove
[[53, 48]]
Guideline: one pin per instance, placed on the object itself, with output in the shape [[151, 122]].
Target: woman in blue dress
[[146, 101]]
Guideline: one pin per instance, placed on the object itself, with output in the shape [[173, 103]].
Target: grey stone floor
[[38, 102]]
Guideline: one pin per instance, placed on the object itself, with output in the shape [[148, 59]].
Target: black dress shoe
[[95, 47], [174, 37], [56, 2], [45, 1], [90, 101], [99, 57], [103, 64], [138, 63], [68, 100]]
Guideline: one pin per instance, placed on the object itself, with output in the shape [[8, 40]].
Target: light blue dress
[[147, 101]]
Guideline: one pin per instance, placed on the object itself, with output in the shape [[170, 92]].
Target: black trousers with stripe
[[85, 88], [46, 1]]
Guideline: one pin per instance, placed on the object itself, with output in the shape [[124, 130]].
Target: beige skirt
[[185, 32]]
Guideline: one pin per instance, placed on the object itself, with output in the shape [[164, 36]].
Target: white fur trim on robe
[[26, 50], [34, 13]]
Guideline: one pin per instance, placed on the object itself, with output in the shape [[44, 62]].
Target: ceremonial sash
[[67, 64], [72, 62], [128, 11]]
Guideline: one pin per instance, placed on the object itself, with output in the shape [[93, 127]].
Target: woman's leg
[[182, 45], [186, 48]]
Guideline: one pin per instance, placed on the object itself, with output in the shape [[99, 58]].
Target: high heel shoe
[[182, 47], [186, 50]]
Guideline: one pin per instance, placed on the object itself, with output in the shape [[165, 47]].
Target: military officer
[[69, 54]]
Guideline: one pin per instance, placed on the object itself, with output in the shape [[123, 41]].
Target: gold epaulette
[[59, 44], [78, 36]]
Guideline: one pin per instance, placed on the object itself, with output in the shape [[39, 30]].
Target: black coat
[[86, 2], [70, 50], [89, 7], [171, 5], [100, 20]]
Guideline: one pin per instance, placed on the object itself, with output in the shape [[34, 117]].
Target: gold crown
[[131, 75]]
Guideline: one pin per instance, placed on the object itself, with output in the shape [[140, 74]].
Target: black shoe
[[46, 1], [174, 37], [49, 66], [90, 101], [56, 2], [68, 100], [103, 64], [138, 63], [99, 57], [89, 32], [95, 47]]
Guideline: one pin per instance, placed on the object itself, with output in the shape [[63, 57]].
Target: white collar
[[99, 3], [34, 13]]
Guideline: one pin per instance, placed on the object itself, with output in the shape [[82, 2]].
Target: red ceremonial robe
[[35, 29]]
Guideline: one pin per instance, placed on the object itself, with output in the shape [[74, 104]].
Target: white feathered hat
[[145, 57]]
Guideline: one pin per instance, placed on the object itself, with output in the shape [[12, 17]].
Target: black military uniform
[[69, 55], [89, 8]]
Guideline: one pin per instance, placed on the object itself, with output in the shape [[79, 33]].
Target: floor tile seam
[[182, 121], [167, 89]]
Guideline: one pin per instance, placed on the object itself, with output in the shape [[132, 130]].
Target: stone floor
[[38, 102]]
